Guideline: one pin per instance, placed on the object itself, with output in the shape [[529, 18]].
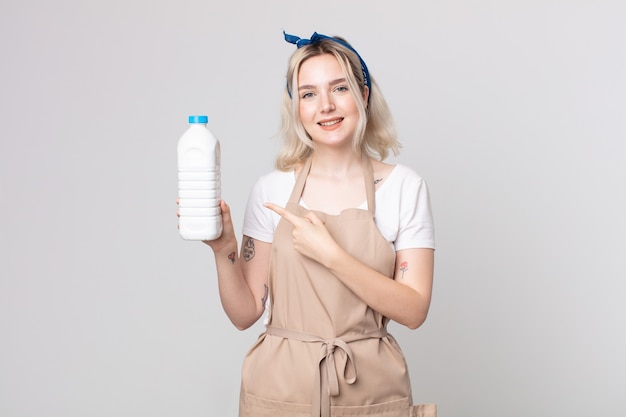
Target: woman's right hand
[[228, 231], [228, 237]]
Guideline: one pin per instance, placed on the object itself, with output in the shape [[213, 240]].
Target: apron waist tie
[[326, 379]]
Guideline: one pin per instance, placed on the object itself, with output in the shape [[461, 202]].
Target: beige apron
[[325, 352]]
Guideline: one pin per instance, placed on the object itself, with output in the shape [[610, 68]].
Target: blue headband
[[315, 38]]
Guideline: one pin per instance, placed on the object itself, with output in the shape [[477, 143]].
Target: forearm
[[395, 300], [236, 295], [406, 302]]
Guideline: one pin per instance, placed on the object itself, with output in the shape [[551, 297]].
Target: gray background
[[514, 112]]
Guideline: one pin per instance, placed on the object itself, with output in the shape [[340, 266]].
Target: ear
[[366, 95]]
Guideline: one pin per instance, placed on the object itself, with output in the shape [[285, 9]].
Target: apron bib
[[325, 352]]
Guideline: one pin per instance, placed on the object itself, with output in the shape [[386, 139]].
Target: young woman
[[335, 244]]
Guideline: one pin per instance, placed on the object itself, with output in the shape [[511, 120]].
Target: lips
[[329, 123]]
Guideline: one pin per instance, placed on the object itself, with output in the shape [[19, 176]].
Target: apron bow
[[326, 378]]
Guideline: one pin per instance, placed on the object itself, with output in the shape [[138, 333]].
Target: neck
[[330, 163]]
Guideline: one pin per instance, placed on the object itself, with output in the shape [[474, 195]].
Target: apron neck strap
[[368, 174], [300, 181], [368, 177]]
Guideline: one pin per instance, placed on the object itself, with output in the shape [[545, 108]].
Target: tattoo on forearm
[[231, 256], [248, 249], [404, 266], [264, 299]]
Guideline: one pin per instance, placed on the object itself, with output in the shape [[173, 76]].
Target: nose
[[327, 103]]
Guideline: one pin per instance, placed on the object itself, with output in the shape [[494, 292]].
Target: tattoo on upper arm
[[376, 181], [404, 266], [231, 256], [248, 249], [264, 299]]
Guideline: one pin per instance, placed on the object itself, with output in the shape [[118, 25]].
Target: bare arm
[[242, 278], [405, 299]]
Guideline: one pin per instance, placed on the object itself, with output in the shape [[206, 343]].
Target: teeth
[[334, 122]]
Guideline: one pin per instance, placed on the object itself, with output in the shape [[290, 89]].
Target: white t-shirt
[[403, 213]]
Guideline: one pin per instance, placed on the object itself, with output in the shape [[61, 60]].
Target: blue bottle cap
[[198, 119]]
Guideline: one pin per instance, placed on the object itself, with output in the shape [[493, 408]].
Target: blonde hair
[[375, 134]]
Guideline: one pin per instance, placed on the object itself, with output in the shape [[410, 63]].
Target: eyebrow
[[312, 87]]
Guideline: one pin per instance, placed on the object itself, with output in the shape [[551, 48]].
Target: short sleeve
[[260, 222], [257, 221], [415, 221]]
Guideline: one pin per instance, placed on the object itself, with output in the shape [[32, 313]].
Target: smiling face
[[328, 111]]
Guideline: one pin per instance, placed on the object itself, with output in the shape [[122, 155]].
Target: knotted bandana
[[316, 37]]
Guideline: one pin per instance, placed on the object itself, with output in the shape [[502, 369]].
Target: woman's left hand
[[310, 236]]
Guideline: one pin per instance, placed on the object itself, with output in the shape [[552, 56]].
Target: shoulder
[[404, 178], [397, 171], [276, 176], [404, 190], [274, 180], [406, 173], [274, 186]]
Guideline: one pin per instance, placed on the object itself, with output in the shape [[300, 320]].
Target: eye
[[342, 88], [306, 95]]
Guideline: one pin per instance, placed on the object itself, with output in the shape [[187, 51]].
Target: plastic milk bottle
[[199, 182]]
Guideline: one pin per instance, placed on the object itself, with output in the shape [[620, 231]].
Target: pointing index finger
[[290, 217]]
